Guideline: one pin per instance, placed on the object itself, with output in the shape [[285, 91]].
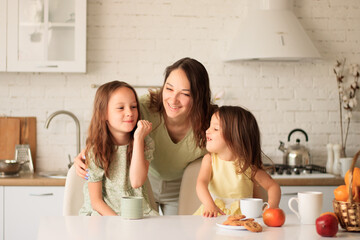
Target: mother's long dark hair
[[202, 108]]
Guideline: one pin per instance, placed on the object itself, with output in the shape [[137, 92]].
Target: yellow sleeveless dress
[[227, 187]]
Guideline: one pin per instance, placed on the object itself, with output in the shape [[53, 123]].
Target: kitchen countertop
[[172, 227], [311, 181], [28, 179]]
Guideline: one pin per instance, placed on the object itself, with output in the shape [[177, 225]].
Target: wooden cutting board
[[26, 135], [9, 137]]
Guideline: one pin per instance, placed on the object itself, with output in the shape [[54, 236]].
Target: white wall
[[134, 40]]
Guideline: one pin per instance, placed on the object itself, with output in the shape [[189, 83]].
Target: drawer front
[[24, 206]]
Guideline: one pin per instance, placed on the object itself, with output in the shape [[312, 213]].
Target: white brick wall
[[134, 40]]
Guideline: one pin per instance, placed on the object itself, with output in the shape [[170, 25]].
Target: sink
[[56, 174]]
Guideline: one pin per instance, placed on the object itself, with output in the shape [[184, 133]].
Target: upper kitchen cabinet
[[2, 35], [46, 35]]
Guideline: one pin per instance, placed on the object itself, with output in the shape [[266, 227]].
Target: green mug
[[132, 207]]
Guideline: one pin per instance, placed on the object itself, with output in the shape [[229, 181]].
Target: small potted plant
[[347, 97]]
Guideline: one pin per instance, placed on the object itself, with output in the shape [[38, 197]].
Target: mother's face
[[177, 99]]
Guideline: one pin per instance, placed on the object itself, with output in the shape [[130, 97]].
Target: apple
[[327, 225]]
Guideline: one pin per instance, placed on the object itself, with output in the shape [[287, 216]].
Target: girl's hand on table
[[80, 166], [212, 211]]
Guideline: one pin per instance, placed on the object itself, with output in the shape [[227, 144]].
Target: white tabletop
[[171, 227]]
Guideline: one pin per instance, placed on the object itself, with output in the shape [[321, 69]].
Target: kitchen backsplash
[[135, 40]]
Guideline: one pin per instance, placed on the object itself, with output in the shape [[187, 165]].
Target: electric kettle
[[297, 154]]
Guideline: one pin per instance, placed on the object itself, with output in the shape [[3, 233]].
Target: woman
[[180, 113]]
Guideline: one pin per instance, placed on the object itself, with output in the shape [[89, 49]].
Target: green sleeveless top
[[170, 159]]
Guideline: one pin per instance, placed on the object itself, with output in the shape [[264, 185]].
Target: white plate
[[231, 227]]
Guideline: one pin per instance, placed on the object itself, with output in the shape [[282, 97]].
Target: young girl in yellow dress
[[233, 164]]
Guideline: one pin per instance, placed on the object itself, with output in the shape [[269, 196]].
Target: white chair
[[74, 197], [188, 199]]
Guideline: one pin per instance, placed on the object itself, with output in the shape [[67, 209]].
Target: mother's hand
[[80, 166]]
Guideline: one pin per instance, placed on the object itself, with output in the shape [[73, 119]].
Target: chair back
[[188, 200], [74, 196]]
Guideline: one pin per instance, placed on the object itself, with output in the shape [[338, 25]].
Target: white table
[[170, 227]]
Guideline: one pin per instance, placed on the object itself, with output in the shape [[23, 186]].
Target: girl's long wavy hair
[[242, 135], [202, 108], [100, 140]]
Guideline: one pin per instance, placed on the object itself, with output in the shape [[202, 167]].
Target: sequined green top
[[117, 184]]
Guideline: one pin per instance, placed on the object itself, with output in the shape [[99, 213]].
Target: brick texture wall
[[134, 40]]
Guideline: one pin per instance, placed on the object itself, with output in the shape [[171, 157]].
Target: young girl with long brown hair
[[118, 151], [233, 164]]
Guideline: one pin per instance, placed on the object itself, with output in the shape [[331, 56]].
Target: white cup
[[309, 206], [345, 165], [132, 207], [252, 207]]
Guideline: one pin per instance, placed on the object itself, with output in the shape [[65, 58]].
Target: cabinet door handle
[[289, 194], [48, 66], [40, 194]]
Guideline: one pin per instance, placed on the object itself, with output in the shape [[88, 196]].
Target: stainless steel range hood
[[271, 32]]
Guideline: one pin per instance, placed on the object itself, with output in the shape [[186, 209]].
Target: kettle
[[297, 154]]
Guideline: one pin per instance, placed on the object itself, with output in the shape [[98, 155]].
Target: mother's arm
[[80, 166]]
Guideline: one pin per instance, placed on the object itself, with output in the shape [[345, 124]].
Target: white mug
[[345, 165], [309, 206], [252, 207], [132, 207]]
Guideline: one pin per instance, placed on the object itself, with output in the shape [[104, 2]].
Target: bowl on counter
[[10, 168]]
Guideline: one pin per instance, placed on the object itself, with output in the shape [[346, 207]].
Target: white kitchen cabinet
[[25, 205], [45, 35], [288, 192], [2, 35], [1, 213]]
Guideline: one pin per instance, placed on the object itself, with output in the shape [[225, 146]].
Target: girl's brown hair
[[242, 135], [202, 108], [100, 140]]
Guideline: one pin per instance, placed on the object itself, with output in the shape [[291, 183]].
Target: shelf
[[50, 24]]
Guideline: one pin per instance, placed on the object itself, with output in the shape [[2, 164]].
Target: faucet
[[77, 123]]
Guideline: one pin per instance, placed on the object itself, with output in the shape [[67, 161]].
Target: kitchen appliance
[[307, 171], [297, 154], [271, 32]]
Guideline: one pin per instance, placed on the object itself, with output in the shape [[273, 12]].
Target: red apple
[[327, 225]]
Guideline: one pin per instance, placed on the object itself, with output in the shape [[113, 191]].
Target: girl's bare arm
[[271, 186], [139, 166], [96, 198], [210, 209]]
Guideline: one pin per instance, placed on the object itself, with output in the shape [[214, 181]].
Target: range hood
[[271, 32]]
